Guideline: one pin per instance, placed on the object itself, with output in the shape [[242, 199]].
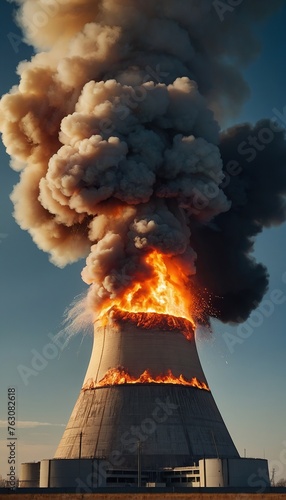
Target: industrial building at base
[[88, 474], [129, 431]]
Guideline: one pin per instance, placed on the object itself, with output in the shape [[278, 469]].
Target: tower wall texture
[[175, 424]]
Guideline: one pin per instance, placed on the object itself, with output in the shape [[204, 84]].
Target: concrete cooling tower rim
[[138, 342]]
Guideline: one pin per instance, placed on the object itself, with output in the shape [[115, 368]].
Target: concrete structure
[[175, 424], [233, 473], [220, 473], [87, 474], [129, 430], [29, 475]]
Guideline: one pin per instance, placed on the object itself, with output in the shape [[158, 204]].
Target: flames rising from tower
[[114, 129]]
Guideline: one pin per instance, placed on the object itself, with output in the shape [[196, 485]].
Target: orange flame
[[119, 376], [162, 291]]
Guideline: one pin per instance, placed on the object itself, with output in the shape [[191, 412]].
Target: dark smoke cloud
[[114, 129], [225, 263]]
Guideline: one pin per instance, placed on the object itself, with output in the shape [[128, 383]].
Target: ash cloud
[[114, 130], [225, 264]]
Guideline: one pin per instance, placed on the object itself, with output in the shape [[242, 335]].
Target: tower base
[[87, 475]]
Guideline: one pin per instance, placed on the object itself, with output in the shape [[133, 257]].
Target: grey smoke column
[[176, 424]]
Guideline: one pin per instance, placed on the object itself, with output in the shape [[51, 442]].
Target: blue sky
[[247, 377]]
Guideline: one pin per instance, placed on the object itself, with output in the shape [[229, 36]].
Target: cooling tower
[[176, 420]]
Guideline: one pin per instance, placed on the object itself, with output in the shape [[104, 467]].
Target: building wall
[[29, 475], [211, 473], [86, 474], [233, 472], [248, 472], [83, 474]]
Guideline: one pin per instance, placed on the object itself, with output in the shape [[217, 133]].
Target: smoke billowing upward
[[255, 183], [114, 129]]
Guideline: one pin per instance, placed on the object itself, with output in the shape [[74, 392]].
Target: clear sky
[[246, 369]]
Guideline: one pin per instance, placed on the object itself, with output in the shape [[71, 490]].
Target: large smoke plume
[[114, 129]]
